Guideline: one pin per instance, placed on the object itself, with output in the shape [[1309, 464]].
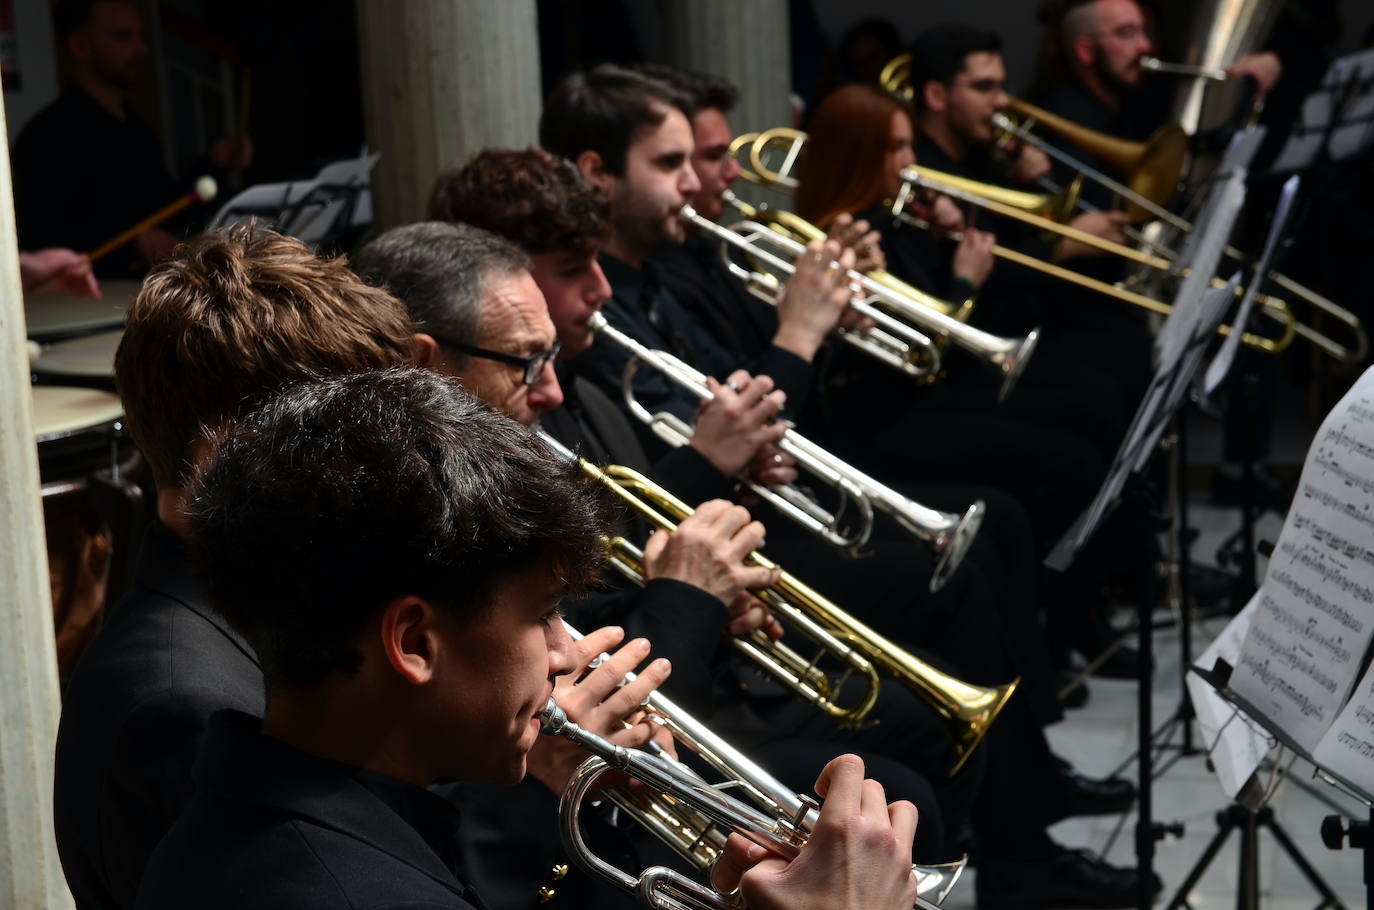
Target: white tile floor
[[1100, 736]]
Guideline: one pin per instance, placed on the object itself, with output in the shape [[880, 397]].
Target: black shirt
[[82, 175], [272, 826], [133, 719]]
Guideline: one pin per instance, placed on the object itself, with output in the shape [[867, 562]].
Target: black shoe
[[1071, 879], [1084, 795]]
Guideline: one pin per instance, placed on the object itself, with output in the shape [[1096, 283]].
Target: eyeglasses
[[985, 86], [533, 365]]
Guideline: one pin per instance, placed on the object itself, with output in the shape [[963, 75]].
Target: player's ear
[[409, 638]]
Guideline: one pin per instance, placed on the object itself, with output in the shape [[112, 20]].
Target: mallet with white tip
[[205, 191]]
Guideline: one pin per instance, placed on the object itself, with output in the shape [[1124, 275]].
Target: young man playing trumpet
[[643, 174], [398, 569], [232, 317], [697, 578]]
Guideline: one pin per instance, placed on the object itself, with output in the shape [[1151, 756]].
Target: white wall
[[37, 64]]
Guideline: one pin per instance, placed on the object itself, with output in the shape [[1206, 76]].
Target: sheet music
[[1235, 745], [1347, 749], [1316, 609], [1221, 365]]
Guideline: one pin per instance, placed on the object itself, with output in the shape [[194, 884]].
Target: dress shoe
[[1070, 879], [1085, 795]]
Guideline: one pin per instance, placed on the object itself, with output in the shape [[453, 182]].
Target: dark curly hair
[[341, 494], [533, 198]]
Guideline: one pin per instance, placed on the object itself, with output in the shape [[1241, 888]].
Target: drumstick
[[205, 191]]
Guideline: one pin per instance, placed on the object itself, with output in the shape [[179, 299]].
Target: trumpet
[[967, 711], [783, 829], [947, 534], [894, 307]]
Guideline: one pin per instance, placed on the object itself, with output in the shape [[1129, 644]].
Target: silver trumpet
[[947, 534], [901, 315], [783, 828]]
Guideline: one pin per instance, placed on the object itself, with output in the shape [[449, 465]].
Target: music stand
[[320, 212], [1239, 818], [1336, 122], [1180, 348]]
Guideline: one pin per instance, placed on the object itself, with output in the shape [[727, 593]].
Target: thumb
[[738, 857]]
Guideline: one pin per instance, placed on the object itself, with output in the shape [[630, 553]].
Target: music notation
[[1276, 683], [1310, 630], [1362, 746], [1362, 515], [1330, 576], [1315, 621]]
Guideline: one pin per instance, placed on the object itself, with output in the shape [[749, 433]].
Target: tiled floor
[[1102, 735]]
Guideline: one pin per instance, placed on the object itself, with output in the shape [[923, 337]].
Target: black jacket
[[271, 826], [133, 719]]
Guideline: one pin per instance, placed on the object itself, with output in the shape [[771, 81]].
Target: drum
[[53, 315], [85, 361]]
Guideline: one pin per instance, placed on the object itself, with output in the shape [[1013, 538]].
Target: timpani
[[53, 315]]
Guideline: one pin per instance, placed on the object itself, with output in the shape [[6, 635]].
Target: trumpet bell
[[953, 544]]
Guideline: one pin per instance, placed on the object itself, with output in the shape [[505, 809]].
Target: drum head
[[57, 314], [89, 357], [75, 429]]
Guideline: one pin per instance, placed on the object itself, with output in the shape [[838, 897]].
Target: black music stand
[[1248, 823], [1181, 347], [1217, 374]]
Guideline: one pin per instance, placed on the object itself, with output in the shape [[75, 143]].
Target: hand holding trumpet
[[858, 855], [592, 695]]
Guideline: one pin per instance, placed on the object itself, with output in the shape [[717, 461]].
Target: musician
[[1101, 43], [738, 321], [234, 316], [87, 166], [400, 646], [504, 190], [449, 275]]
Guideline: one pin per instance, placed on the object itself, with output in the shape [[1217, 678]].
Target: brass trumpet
[[895, 307], [966, 710], [948, 535], [782, 827]]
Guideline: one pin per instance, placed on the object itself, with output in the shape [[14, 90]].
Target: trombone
[[946, 534], [1354, 352], [687, 808], [1032, 208], [915, 310], [966, 710], [1021, 206], [1147, 195]]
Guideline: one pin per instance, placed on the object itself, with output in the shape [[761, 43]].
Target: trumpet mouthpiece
[[553, 720]]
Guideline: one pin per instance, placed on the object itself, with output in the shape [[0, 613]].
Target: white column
[[745, 41], [442, 79], [30, 874]]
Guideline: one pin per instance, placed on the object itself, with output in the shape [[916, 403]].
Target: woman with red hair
[[860, 139]]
